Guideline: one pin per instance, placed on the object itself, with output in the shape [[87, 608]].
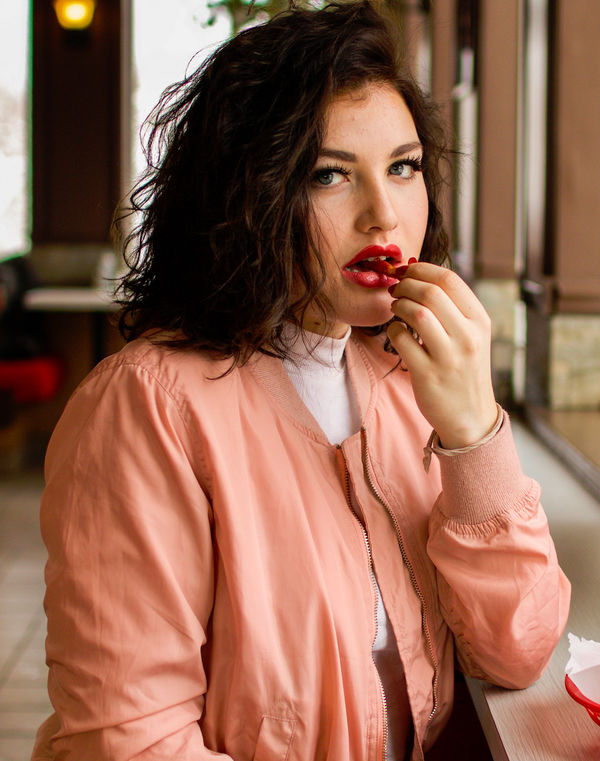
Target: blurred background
[[518, 82]]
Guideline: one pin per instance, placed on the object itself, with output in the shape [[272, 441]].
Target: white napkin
[[583, 667]]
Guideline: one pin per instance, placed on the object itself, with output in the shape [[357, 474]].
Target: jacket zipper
[[374, 586], [409, 566]]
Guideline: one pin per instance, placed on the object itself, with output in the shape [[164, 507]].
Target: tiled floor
[[23, 698]]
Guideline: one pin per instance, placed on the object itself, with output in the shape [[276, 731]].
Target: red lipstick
[[370, 252], [374, 266]]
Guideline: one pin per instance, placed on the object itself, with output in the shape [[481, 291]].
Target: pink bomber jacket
[[210, 591]]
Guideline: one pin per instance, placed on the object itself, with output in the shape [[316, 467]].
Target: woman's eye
[[328, 177], [405, 169]]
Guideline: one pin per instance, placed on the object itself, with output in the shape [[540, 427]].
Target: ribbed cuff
[[485, 480]]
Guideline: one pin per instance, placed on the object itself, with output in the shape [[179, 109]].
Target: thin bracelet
[[434, 444]]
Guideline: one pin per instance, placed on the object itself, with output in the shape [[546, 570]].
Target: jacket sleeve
[[129, 577], [501, 590]]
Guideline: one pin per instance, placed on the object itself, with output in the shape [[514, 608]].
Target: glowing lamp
[[74, 14]]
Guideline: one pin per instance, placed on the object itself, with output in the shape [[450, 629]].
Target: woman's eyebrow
[[333, 153], [405, 148]]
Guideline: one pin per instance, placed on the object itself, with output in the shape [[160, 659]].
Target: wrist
[[459, 437]]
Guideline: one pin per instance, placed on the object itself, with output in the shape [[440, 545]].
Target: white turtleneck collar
[[317, 368]]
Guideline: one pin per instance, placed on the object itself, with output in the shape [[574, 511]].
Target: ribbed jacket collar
[[270, 372]]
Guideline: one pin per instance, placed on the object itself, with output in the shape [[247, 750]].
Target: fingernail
[[401, 270], [391, 289], [412, 260]]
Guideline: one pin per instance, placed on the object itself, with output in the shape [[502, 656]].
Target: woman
[[247, 558]]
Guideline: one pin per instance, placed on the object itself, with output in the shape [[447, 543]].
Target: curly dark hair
[[224, 237]]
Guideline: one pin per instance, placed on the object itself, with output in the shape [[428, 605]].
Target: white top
[[317, 368]]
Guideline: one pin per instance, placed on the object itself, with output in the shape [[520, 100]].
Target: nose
[[377, 210]]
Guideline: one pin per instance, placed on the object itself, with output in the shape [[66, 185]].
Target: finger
[[410, 350], [462, 322], [448, 282], [422, 301], [434, 335]]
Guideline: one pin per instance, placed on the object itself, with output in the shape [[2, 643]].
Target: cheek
[[419, 211], [324, 236], [326, 233]]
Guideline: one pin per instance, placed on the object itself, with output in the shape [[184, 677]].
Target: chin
[[369, 318], [371, 324]]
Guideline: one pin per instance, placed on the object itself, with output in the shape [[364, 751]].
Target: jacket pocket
[[275, 738]]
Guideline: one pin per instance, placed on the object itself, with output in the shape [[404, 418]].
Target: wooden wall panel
[[443, 78], [76, 123], [497, 178], [574, 164]]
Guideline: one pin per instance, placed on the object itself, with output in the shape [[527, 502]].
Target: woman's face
[[369, 205]]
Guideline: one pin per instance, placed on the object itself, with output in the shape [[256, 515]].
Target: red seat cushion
[[31, 380]]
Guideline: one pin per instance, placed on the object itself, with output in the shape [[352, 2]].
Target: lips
[[374, 266]]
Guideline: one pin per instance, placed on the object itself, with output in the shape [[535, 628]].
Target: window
[[14, 129], [166, 36]]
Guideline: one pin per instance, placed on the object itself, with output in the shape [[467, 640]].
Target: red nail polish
[[412, 260], [391, 289], [401, 270]]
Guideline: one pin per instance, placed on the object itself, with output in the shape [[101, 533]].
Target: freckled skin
[[380, 201]]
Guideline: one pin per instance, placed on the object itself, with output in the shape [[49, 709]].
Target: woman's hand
[[450, 369]]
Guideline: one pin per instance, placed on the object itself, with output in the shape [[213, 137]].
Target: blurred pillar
[[563, 286], [498, 58], [498, 222], [575, 161], [443, 78]]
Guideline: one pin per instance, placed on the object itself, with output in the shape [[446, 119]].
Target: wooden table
[[69, 300], [542, 723]]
